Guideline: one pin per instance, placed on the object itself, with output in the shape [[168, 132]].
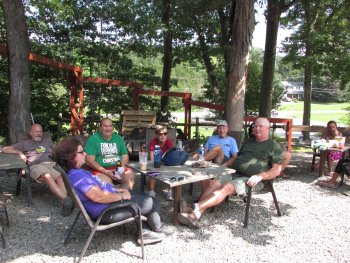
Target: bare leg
[[53, 186], [329, 163], [215, 154], [216, 197], [152, 184], [128, 180], [209, 188]]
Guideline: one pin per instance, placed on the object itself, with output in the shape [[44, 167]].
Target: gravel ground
[[314, 227]]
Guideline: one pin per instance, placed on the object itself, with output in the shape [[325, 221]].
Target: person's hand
[[110, 173], [126, 194], [254, 180], [23, 157]]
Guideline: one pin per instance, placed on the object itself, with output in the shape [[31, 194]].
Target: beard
[[37, 139]]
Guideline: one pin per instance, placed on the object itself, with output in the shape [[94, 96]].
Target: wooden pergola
[[75, 85]]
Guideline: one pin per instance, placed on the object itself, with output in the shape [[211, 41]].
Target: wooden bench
[[130, 120]]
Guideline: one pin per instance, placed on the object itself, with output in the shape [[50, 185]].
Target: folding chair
[[95, 224], [269, 188], [345, 171]]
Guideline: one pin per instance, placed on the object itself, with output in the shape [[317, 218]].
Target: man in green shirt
[[259, 159], [105, 150]]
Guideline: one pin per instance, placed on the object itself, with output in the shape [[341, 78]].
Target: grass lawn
[[321, 112]]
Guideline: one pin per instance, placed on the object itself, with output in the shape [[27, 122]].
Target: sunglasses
[[177, 178], [163, 133]]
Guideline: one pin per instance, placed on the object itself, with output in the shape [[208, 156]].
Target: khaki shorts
[[240, 183], [43, 168]]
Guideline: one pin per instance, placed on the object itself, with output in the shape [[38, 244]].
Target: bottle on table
[[157, 157], [201, 153], [118, 170], [179, 145]]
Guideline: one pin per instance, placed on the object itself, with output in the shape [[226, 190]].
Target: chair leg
[[247, 206], [274, 198], [2, 237], [313, 162], [18, 186], [69, 232], [29, 187], [7, 216], [141, 235], [87, 243]]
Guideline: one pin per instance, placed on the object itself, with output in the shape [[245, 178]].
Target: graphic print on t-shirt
[[40, 149], [109, 152]]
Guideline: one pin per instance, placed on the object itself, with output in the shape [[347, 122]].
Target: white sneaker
[[150, 237], [152, 194]]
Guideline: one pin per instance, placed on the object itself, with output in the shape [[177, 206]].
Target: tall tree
[[274, 10], [241, 40], [167, 54], [18, 51]]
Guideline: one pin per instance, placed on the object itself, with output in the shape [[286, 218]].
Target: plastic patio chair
[[269, 188], [95, 224]]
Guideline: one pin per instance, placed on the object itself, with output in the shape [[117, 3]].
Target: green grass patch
[[299, 106]]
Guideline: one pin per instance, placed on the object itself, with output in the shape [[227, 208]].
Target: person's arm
[[151, 155], [97, 195], [10, 149], [231, 161], [125, 159], [91, 162], [267, 175]]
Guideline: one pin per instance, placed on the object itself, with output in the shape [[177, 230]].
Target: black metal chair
[[269, 188], [3, 202], [95, 224], [345, 171]]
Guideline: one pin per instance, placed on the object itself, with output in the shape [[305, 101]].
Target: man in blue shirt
[[221, 148]]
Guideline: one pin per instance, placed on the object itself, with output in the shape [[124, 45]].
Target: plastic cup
[[143, 158]]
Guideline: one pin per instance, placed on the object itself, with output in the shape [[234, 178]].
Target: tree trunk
[[167, 58], [18, 51], [242, 34], [310, 31], [273, 17], [274, 10]]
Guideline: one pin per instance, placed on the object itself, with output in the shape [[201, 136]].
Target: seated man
[[259, 159], [221, 148], [104, 149], [36, 151]]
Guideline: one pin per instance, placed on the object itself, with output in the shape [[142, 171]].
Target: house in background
[[293, 89]]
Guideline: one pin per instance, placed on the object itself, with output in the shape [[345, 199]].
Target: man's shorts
[[42, 168], [240, 183]]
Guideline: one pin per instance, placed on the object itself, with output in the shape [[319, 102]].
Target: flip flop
[[325, 184]]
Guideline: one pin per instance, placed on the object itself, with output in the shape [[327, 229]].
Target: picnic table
[[190, 174]]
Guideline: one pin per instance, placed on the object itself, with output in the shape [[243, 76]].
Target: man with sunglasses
[[36, 152], [165, 144], [259, 159]]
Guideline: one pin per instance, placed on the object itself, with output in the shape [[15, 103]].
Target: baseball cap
[[221, 123]]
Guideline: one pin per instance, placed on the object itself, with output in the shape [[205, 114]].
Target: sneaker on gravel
[[188, 219], [150, 237], [185, 207], [67, 206], [167, 230], [152, 194]]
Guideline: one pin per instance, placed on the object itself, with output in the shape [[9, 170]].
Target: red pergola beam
[[113, 82]]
